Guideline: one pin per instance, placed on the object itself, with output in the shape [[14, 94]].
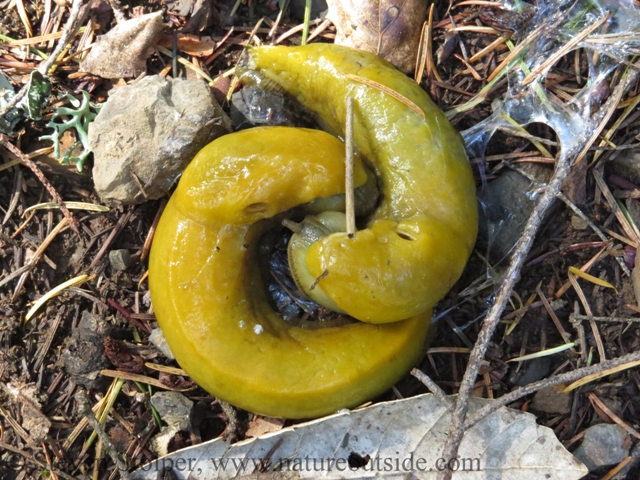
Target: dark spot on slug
[[405, 236], [259, 207]]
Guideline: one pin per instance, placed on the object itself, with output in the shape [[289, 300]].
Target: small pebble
[[552, 400], [120, 259], [603, 445]]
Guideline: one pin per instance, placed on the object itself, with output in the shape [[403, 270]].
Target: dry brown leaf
[[124, 50], [389, 28], [190, 44], [262, 425]]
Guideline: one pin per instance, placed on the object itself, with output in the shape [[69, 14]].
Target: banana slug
[[204, 278]]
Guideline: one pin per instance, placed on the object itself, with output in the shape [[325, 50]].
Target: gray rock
[[174, 408], [627, 165], [532, 371], [147, 133], [120, 259], [505, 206], [83, 355], [157, 338], [552, 400], [603, 445]]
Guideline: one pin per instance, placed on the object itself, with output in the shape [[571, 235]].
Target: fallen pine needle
[[590, 278], [165, 369], [54, 292], [599, 375], [388, 91], [91, 207], [142, 379]]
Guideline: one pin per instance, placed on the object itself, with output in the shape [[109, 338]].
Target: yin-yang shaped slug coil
[[206, 287]]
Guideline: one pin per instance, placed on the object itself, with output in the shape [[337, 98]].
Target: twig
[[548, 382], [434, 388], [122, 221], [233, 431], [4, 140], [518, 258], [576, 317], [87, 411], [349, 195], [493, 317]]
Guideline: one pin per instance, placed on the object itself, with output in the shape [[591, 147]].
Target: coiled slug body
[[205, 283], [423, 231]]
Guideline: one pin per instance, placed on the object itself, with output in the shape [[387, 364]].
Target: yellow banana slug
[[423, 231], [205, 280]]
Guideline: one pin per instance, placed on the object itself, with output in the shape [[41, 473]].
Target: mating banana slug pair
[[204, 277]]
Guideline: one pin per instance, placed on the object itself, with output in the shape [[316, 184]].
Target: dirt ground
[[47, 360]]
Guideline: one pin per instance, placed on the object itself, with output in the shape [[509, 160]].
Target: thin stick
[[349, 200], [518, 258], [85, 406], [548, 382], [434, 388], [4, 140]]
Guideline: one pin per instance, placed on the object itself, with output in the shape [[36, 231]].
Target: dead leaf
[[389, 28], [262, 425], [33, 420], [190, 44], [399, 439], [123, 51]]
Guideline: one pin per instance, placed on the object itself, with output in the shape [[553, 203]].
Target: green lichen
[[80, 117]]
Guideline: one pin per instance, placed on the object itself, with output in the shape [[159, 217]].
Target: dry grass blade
[[597, 376], [565, 335], [543, 353]]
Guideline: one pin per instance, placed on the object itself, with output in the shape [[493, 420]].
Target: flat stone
[[603, 445], [532, 371], [146, 134], [505, 206], [120, 259], [627, 165], [157, 338], [552, 400], [174, 408]]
